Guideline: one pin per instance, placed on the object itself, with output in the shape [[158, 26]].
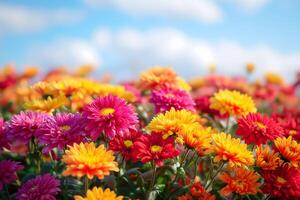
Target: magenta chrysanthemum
[[258, 129], [24, 126], [3, 136], [8, 170], [109, 115], [44, 187], [166, 98], [62, 130]]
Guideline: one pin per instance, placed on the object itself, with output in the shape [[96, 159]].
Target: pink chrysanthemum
[[8, 171], [44, 187], [3, 136], [258, 129], [124, 144], [110, 115], [24, 126], [154, 148], [62, 130], [166, 98]]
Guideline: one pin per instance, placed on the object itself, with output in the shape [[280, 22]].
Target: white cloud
[[198, 10], [15, 18], [70, 52], [250, 4], [129, 51]]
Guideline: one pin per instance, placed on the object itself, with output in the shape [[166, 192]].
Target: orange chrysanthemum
[[266, 158], [172, 122], [289, 149], [241, 181], [231, 150], [232, 102], [99, 194], [197, 137], [87, 159]]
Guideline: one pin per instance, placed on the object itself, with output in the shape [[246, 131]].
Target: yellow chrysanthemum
[[289, 149], [274, 78], [116, 90], [87, 159], [46, 105], [266, 158], [99, 194], [172, 122], [197, 137], [232, 102], [232, 150]]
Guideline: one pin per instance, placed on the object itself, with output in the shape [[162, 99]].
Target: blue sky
[[127, 36]]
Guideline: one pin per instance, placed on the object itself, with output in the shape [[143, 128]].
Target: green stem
[[7, 192], [86, 184], [215, 175], [152, 180]]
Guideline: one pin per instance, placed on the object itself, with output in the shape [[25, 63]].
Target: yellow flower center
[[107, 111], [128, 143], [280, 180], [156, 148], [292, 132], [65, 127], [260, 125]]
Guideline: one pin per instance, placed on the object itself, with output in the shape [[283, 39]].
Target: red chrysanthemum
[[283, 183], [154, 148], [8, 171], [124, 144], [166, 98], [291, 128], [258, 129], [110, 115]]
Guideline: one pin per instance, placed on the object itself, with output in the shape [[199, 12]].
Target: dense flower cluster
[[158, 137]]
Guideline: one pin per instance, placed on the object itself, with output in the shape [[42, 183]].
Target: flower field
[[65, 136]]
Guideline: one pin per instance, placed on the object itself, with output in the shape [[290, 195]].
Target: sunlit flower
[[154, 148], [166, 98], [266, 158], [198, 138], [124, 144], [232, 102], [172, 122], [258, 129], [231, 150], [8, 170], [48, 105], [24, 126], [99, 194], [289, 149], [87, 159], [273, 78], [62, 130], [241, 181], [41, 187], [157, 77], [109, 115], [282, 183]]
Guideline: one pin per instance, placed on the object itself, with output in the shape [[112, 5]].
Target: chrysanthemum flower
[[24, 126], [166, 98], [266, 158], [48, 105], [232, 150], [99, 194], [87, 159], [124, 144], [282, 183], [157, 77], [289, 149], [291, 128], [172, 122], [110, 115], [62, 130], [241, 181], [185, 197], [8, 170], [232, 102], [154, 148], [197, 189], [198, 138], [258, 129], [3, 136], [41, 187]]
